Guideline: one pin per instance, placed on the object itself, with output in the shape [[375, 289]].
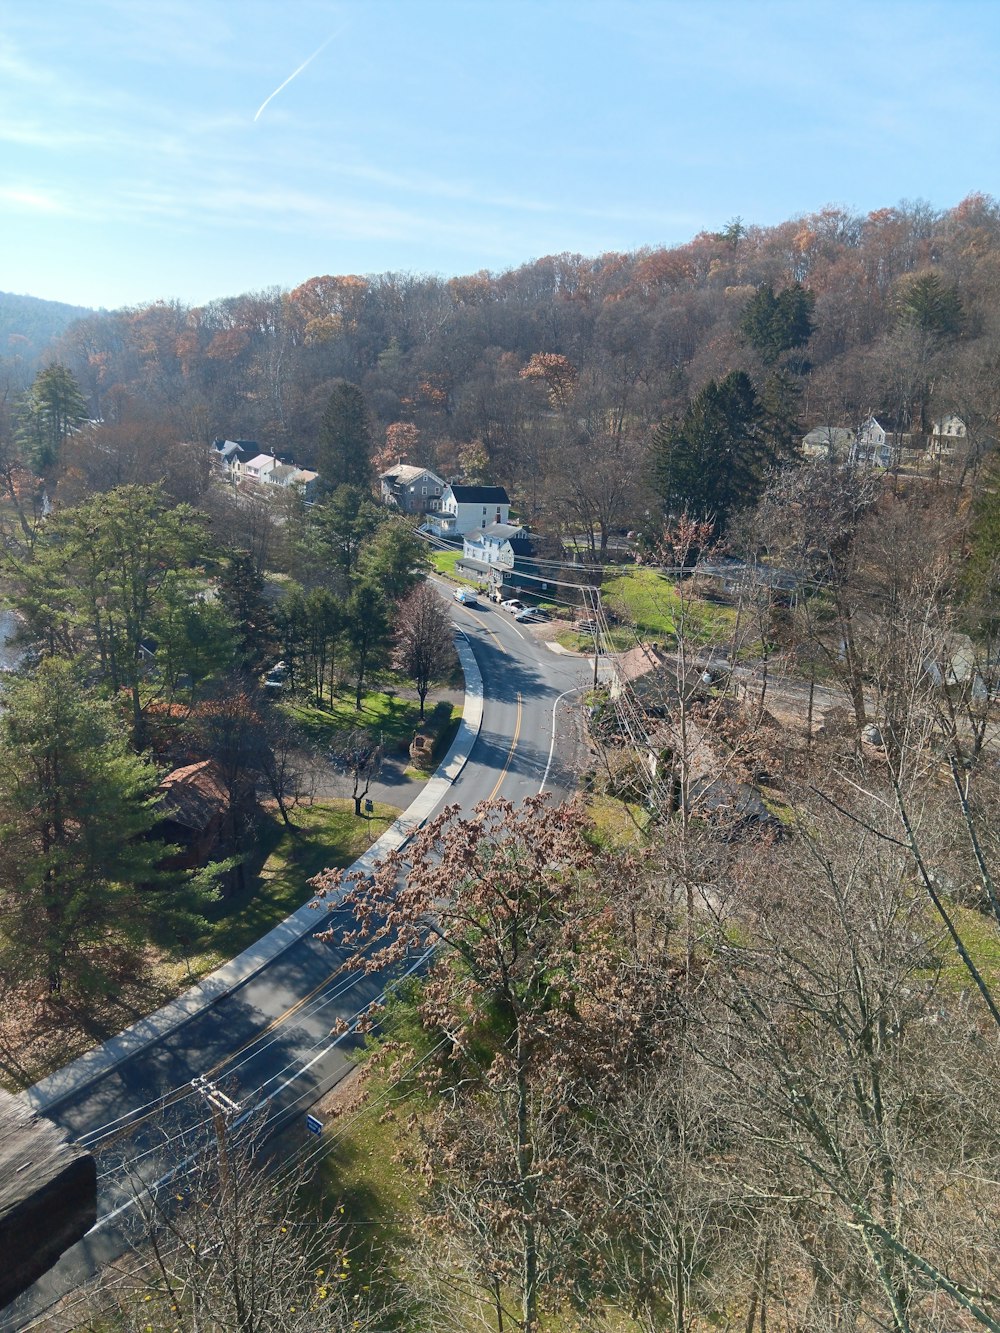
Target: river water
[[9, 656]]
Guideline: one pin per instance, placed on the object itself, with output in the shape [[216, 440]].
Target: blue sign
[[313, 1125]]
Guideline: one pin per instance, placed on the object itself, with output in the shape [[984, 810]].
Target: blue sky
[[449, 136]]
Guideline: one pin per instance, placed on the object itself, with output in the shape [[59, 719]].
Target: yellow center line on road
[[282, 1018], [179, 1093], [486, 630], [510, 752]]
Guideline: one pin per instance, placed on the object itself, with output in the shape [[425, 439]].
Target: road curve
[[266, 1046]]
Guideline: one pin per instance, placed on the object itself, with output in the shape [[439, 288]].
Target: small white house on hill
[[947, 433]]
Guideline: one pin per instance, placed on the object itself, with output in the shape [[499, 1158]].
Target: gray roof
[[829, 435], [405, 473], [499, 532]]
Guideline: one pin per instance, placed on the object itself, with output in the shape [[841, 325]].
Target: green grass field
[[396, 718], [445, 561], [649, 601]]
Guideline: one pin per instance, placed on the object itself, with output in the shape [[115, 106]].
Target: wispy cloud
[[295, 73], [27, 198]]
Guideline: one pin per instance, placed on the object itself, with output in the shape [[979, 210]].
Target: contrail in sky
[[294, 75]]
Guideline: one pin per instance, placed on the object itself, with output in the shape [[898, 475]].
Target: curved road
[[265, 1049]]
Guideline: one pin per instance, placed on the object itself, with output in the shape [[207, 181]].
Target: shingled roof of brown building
[[192, 796]]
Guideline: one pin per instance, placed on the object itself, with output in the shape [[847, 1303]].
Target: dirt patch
[[39, 1034], [346, 1096]]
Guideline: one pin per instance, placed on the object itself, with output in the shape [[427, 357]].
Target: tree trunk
[[528, 1190]]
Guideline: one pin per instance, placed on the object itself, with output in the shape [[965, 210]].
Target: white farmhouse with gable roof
[[468, 508]]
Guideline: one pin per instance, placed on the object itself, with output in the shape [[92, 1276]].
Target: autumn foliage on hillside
[[902, 306]]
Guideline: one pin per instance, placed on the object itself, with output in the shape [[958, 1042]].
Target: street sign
[[313, 1125], [369, 807]]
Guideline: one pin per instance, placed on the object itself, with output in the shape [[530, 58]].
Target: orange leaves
[[328, 306], [558, 372], [227, 344]]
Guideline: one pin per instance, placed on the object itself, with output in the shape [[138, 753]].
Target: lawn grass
[[327, 833], [395, 717], [650, 601], [617, 825], [981, 937], [444, 562], [617, 640]]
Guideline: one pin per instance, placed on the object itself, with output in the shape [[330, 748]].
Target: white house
[[946, 433], [875, 445], [289, 476], [257, 468], [496, 544], [414, 490], [465, 508]]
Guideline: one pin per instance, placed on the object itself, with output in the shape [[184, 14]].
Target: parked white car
[[513, 606]]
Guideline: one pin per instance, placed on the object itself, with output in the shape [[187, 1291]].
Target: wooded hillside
[[904, 316]]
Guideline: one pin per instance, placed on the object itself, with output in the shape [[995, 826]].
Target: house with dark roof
[[232, 454], [468, 508]]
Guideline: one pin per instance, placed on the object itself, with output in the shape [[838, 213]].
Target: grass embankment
[[444, 562], [397, 719], [979, 934], [618, 826], [651, 602], [647, 606], [325, 834], [372, 1177]]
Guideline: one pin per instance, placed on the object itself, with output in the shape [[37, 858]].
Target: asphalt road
[[265, 1051]]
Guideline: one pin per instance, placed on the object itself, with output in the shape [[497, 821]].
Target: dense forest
[[514, 376], [29, 326], [716, 1045]]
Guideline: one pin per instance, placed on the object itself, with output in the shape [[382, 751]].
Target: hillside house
[[257, 468], [291, 477], [828, 442], [465, 508], [232, 454], [242, 460], [947, 434], [411, 490], [877, 444]]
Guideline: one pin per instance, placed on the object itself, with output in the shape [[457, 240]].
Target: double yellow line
[[513, 747], [292, 1010]]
